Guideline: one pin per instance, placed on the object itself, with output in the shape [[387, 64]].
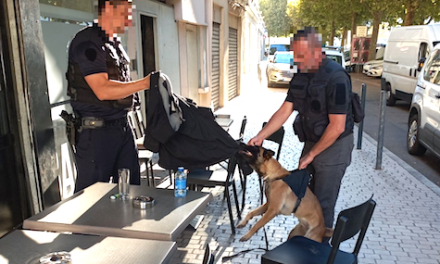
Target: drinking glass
[[124, 183]]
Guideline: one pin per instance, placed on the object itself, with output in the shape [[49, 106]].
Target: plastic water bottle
[[180, 183]]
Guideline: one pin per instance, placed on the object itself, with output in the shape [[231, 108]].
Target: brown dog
[[281, 199]]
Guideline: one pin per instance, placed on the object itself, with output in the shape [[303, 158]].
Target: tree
[[377, 9], [419, 12], [275, 17]]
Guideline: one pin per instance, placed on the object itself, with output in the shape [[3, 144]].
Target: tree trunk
[[411, 7], [377, 16], [332, 33], [353, 26], [344, 36]]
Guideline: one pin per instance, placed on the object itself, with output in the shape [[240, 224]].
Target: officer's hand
[[256, 141], [305, 161]]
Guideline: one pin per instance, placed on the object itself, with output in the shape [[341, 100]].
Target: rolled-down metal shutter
[[215, 91], [233, 65]]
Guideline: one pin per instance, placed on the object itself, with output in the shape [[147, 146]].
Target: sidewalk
[[405, 227]]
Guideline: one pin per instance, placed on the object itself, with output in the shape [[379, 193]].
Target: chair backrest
[[232, 164], [277, 137], [139, 120], [242, 128], [137, 123], [208, 258], [350, 222]]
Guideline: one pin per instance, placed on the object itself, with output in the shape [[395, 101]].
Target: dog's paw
[[241, 224]]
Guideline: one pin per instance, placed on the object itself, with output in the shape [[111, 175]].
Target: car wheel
[[412, 139], [391, 99]]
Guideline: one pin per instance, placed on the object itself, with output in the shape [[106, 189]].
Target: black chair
[[240, 172], [145, 156], [243, 179], [276, 137], [208, 258], [209, 178], [301, 250]]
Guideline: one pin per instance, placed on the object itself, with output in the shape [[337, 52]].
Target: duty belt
[[89, 122]]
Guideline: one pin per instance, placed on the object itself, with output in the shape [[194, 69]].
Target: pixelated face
[[306, 55], [121, 15]]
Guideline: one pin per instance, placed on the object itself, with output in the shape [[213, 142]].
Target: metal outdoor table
[[93, 212], [27, 247]]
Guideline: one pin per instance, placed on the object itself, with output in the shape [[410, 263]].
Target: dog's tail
[[328, 232]]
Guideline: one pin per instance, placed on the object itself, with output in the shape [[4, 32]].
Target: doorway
[[148, 49], [192, 53], [13, 196]]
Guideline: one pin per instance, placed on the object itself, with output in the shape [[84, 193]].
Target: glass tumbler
[[124, 183]]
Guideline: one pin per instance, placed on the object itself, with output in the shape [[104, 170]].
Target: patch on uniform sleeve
[[340, 95], [91, 54]]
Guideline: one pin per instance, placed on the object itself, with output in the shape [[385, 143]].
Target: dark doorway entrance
[[148, 51], [13, 196]]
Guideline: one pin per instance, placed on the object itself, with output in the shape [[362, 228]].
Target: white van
[[406, 47]]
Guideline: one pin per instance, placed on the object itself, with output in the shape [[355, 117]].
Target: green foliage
[[275, 17]]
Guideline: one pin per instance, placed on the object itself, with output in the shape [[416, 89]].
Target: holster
[[71, 127], [298, 129]]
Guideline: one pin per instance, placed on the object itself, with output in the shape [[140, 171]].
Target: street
[[395, 127]]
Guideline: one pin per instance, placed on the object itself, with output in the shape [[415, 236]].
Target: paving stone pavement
[[405, 227]]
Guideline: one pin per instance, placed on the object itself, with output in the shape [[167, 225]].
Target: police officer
[[101, 94], [320, 92]]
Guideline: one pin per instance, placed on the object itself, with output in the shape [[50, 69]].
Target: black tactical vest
[[117, 68], [310, 100]]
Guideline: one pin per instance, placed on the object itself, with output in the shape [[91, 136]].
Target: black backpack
[[356, 107]]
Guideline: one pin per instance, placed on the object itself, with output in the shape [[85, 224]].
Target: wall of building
[[167, 40]]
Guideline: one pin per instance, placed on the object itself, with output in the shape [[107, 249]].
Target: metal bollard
[[361, 124], [383, 100]]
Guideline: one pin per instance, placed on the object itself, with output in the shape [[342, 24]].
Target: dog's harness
[[298, 180]]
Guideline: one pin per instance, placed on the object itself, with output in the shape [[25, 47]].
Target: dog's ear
[[267, 154]]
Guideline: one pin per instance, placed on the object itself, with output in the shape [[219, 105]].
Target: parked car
[[373, 68], [375, 71], [336, 55], [372, 63], [277, 47], [282, 69], [406, 47], [424, 115]]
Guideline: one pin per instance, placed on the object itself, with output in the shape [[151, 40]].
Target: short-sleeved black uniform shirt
[[338, 92], [88, 50]]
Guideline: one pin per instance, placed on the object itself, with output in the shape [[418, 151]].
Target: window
[[423, 50], [283, 58], [336, 58], [80, 5], [432, 69], [278, 47]]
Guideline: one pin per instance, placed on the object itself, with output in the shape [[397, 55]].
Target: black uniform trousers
[[327, 170], [101, 152]]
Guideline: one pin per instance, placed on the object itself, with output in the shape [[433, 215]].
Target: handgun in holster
[[71, 127]]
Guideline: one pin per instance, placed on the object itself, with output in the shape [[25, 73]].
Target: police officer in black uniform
[[101, 93], [321, 93]]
